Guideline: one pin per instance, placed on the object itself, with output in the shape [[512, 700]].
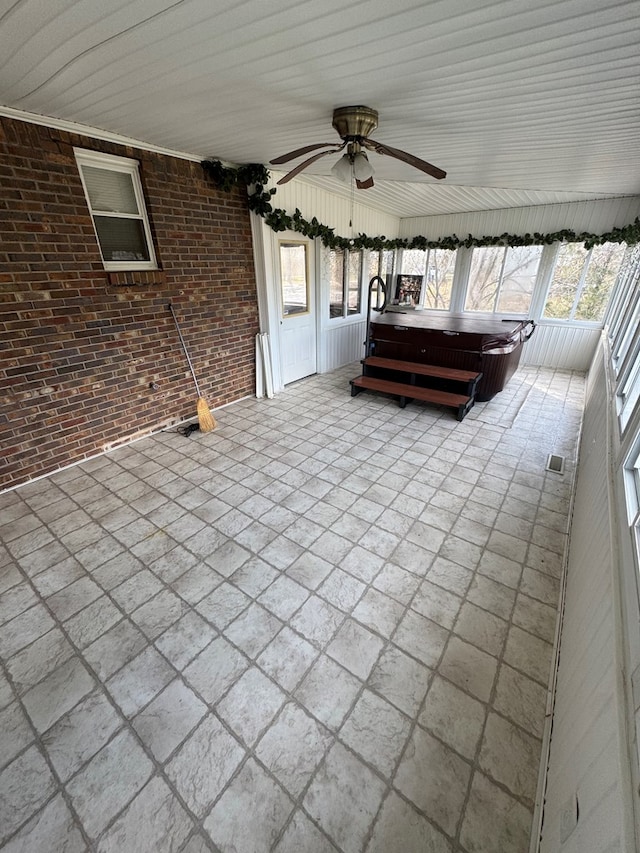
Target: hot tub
[[489, 346]]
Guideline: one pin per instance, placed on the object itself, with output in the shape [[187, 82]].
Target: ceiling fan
[[354, 124]]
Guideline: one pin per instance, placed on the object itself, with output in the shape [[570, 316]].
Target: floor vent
[[555, 463]]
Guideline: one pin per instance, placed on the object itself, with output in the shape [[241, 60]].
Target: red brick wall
[[79, 346]]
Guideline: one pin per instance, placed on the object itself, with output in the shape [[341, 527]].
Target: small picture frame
[[408, 289]]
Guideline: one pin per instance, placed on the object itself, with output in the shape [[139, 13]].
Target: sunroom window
[[629, 393], [381, 263], [502, 278], [437, 266], [345, 283], [624, 312], [582, 281], [116, 203]]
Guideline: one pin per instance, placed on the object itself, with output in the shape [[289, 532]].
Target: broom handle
[[184, 347]]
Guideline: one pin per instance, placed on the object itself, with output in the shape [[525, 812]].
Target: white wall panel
[[592, 216], [587, 756], [344, 344], [334, 211], [551, 346], [561, 346]]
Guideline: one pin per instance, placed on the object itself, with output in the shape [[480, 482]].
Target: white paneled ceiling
[[521, 103]]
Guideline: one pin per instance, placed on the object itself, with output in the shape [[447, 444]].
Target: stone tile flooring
[[325, 626]]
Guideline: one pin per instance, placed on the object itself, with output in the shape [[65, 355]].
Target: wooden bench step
[[451, 373], [461, 402]]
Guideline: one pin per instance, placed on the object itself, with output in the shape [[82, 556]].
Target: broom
[[205, 418]]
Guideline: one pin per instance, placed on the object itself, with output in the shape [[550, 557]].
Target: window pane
[[630, 397], [293, 273], [381, 263], [374, 265], [518, 279], [628, 332], [414, 261], [628, 290], [440, 267], [121, 239], [110, 191], [354, 282], [570, 262], [484, 278], [336, 282], [386, 264], [603, 269]]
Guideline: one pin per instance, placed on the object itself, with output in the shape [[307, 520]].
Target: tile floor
[[325, 626]]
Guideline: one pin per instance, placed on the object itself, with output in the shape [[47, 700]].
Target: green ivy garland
[[255, 176]]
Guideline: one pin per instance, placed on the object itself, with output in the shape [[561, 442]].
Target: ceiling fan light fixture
[[362, 169], [343, 169]]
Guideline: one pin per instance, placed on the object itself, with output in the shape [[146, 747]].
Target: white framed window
[[114, 194], [628, 375], [437, 266], [623, 315], [382, 263], [582, 281], [502, 279], [629, 392], [631, 472], [345, 283], [413, 262], [623, 342]]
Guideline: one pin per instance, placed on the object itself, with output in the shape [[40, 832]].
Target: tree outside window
[[583, 280], [382, 263], [502, 278], [294, 280], [437, 266], [345, 283]]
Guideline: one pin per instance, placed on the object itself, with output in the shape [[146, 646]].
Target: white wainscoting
[[343, 344], [588, 755], [561, 346]]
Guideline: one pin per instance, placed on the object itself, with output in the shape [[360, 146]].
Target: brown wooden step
[[461, 402], [451, 373]]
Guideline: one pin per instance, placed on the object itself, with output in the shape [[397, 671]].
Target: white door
[[297, 307]]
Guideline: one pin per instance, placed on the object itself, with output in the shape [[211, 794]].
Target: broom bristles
[[205, 418]]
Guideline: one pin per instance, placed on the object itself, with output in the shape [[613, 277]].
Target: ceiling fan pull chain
[[353, 199]]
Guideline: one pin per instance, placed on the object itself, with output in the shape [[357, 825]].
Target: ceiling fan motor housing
[[355, 121]]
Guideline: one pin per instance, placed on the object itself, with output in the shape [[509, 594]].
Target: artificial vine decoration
[[255, 176]]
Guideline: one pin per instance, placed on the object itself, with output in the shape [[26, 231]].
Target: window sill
[[345, 321]]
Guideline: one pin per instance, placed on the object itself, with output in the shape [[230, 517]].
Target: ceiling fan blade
[[365, 185], [299, 168], [300, 151], [407, 158]]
